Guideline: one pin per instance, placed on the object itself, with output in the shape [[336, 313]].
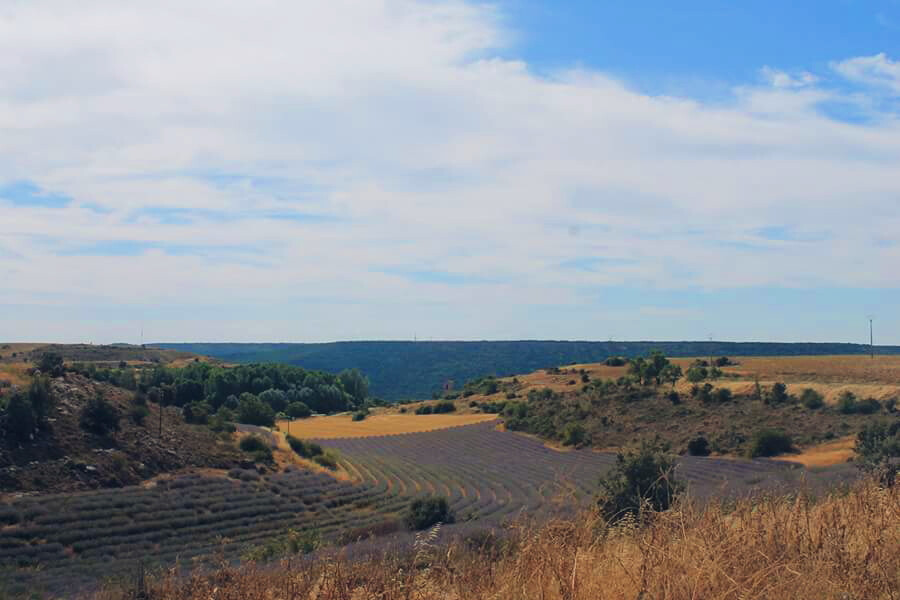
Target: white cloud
[[397, 118], [781, 79], [877, 70]]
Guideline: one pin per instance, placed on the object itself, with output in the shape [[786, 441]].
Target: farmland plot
[[490, 474], [58, 542]]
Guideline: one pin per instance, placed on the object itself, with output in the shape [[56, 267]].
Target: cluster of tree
[[654, 369], [701, 370], [256, 394]]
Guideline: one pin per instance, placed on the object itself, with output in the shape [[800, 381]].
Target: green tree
[[253, 411], [20, 421], [639, 481], [298, 410], [355, 383], [51, 363], [778, 394], [696, 373], [41, 397], [671, 373], [274, 398]]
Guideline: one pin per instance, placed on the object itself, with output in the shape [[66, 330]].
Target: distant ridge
[[403, 369]]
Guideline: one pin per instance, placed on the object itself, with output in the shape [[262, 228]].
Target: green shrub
[[196, 412], [615, 361], [574, 434], [99, 416], [869, 406], [293, 542], [444, 407], [255, 445], [812, 399], [219, 424], [846, 404], [426, 512], [303, 448], [327, 460], [674, 397], [722, 395], [360, 415], [640, 480], [878, 447], [770, 442], [699, 446], [138, 414], [425, 409]]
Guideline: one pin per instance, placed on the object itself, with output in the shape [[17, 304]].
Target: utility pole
[[871, 339]]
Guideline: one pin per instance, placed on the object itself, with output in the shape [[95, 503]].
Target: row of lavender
[[54, 542], [489, 474]]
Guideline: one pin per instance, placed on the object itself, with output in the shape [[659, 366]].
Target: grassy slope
[[413, 370]]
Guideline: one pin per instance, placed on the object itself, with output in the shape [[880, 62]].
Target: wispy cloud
[[245, 154]]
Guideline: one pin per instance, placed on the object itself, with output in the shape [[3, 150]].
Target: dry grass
[[780, 548], [825, 455], [342, 426], [15, 373]]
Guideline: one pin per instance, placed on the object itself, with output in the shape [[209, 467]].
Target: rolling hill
[[414, 370]]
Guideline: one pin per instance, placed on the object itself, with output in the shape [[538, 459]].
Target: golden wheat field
[[343, 426]]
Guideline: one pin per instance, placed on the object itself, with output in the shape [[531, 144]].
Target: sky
[[218, 170]]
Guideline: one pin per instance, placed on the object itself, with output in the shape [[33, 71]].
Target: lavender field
[[489, 475], [54, 542]]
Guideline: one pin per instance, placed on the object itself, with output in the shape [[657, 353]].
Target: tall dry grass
[[842, 547]]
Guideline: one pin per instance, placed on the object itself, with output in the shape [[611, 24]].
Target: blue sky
[[656, 42], [450, 169]]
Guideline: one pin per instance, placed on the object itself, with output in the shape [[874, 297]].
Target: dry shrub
[[843, 546]]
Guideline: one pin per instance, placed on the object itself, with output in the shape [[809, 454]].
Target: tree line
[[255, 394]]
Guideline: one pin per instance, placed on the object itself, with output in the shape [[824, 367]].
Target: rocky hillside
[[63, 456]]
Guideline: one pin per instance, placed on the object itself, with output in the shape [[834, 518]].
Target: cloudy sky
[[218, 170]]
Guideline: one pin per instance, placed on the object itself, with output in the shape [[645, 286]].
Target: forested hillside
[[405, 370]]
